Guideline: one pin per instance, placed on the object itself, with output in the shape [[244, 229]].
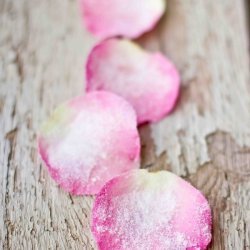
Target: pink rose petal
[[89, 140], [126, 18], [150, 82], [151, 211]]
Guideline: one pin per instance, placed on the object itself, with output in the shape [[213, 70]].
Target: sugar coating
[[147, 211], [149, 81], [89, 140], [127, 18]]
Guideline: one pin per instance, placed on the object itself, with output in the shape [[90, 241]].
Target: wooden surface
[[206, 140]]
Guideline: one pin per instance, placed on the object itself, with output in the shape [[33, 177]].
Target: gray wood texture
[[206, 140]]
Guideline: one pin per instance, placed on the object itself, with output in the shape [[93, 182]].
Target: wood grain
[[206, 140]]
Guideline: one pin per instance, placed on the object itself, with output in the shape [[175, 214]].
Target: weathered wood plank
[[42, 51], [206, 140]]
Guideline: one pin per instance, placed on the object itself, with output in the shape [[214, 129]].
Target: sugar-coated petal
[[89, 140], [127, 18], [149, 81], [148, 211]]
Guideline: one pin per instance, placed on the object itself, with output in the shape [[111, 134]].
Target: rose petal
[[126, 18], [89, 140], [150, 82], [140, 210]]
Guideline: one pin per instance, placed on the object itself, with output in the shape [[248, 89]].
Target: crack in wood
[[247, 9], [20, 67], [6, 214], [10, 136]]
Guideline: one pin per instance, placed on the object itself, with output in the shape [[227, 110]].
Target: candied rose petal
[[147, 211], [149, 81], [127, 18], [89, 140]]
